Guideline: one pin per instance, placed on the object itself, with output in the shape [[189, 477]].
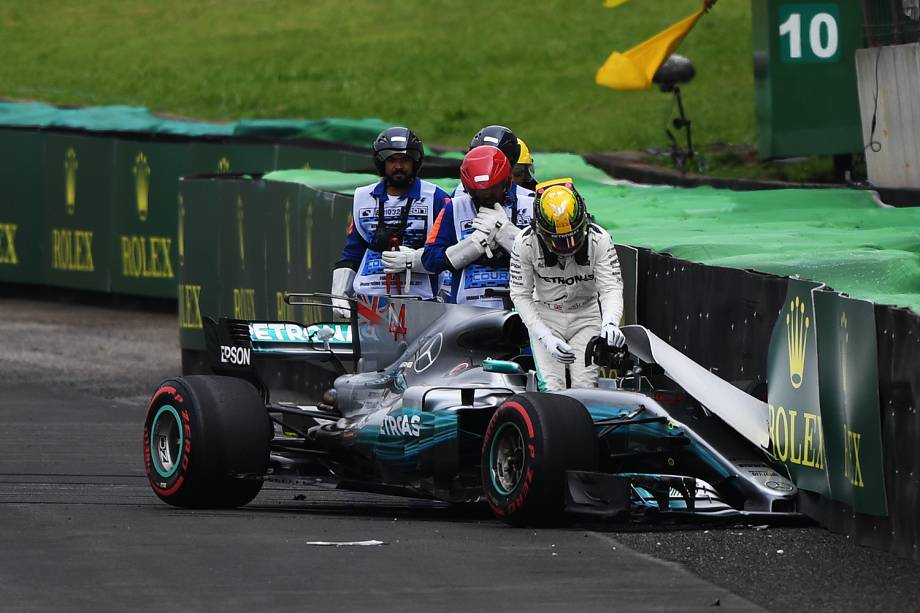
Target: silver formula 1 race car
[[442, 403]]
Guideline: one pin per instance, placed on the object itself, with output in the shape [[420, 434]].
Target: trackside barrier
[[22, 228], [243, 243], [100, 211], [864, 369]]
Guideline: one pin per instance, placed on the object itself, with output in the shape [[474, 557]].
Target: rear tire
[[200, 433], [531, 441]]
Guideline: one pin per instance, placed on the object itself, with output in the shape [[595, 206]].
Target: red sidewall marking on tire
[[166, 389], [517, 502], [185, 452], [517, 407], [174, 488], [147, 458]]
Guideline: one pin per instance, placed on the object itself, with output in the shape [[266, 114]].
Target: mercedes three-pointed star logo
[[428, 353]]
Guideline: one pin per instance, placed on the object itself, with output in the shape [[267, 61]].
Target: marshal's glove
[[402, 260], [342, 279], [469, 249], [505, 230], [487, 220]]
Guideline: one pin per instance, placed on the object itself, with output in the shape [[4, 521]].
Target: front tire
[[200, 433], [530, 443]]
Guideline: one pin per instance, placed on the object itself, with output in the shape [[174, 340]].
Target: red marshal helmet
[[484, 167]]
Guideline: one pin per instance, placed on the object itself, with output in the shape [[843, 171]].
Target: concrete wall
[[891, 75]]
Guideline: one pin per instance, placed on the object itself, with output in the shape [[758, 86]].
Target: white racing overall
[[568, 296]]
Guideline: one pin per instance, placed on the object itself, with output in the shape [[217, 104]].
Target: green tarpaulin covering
[[836, 236], [357, 132]]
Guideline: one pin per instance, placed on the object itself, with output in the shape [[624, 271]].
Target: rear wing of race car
[[233, 345]]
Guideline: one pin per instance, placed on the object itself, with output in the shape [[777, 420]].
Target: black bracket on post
[[676, 70]]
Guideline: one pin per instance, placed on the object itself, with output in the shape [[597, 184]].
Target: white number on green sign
[[793, 28], [829, 25], [821, 36]]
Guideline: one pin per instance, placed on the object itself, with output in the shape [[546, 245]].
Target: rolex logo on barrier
[[240, 222], [190, 306], [145, 257], [797, 324], [181, 231], [141, 172], [72, 250], [244, 303], [8, 244], [70, 180], [223, 166]]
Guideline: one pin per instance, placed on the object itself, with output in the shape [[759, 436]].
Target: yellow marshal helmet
[[524, 158], [560, 216], [522, 172]]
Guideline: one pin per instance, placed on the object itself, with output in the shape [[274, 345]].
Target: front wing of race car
[[636, 496]]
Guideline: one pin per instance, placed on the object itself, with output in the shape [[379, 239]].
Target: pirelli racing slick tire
[[201, 433], [531, 441]]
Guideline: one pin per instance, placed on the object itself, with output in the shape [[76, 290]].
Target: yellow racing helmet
[[560, 216]]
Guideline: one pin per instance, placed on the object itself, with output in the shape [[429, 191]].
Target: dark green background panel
[[227, 158], [848, 365], [290, 156], [243, 234], [144, 217], [21, 199], [77, 199], [793, 391], [199, 258], [284, 212]]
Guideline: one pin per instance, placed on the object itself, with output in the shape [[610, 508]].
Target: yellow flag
[[611, 4], [635, 68]]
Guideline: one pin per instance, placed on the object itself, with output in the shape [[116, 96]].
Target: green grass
[[444, 68]]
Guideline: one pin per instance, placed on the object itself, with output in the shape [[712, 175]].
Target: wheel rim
[[506, 458], [166, 441]]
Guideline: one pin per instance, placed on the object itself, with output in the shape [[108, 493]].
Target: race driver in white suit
[[566, 285]]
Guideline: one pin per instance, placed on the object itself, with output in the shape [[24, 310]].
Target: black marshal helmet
[[501, 137], [398, 140]]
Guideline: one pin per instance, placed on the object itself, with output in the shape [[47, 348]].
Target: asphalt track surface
[[81, 530]]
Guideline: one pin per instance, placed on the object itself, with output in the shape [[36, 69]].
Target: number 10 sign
[[809, 32]]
